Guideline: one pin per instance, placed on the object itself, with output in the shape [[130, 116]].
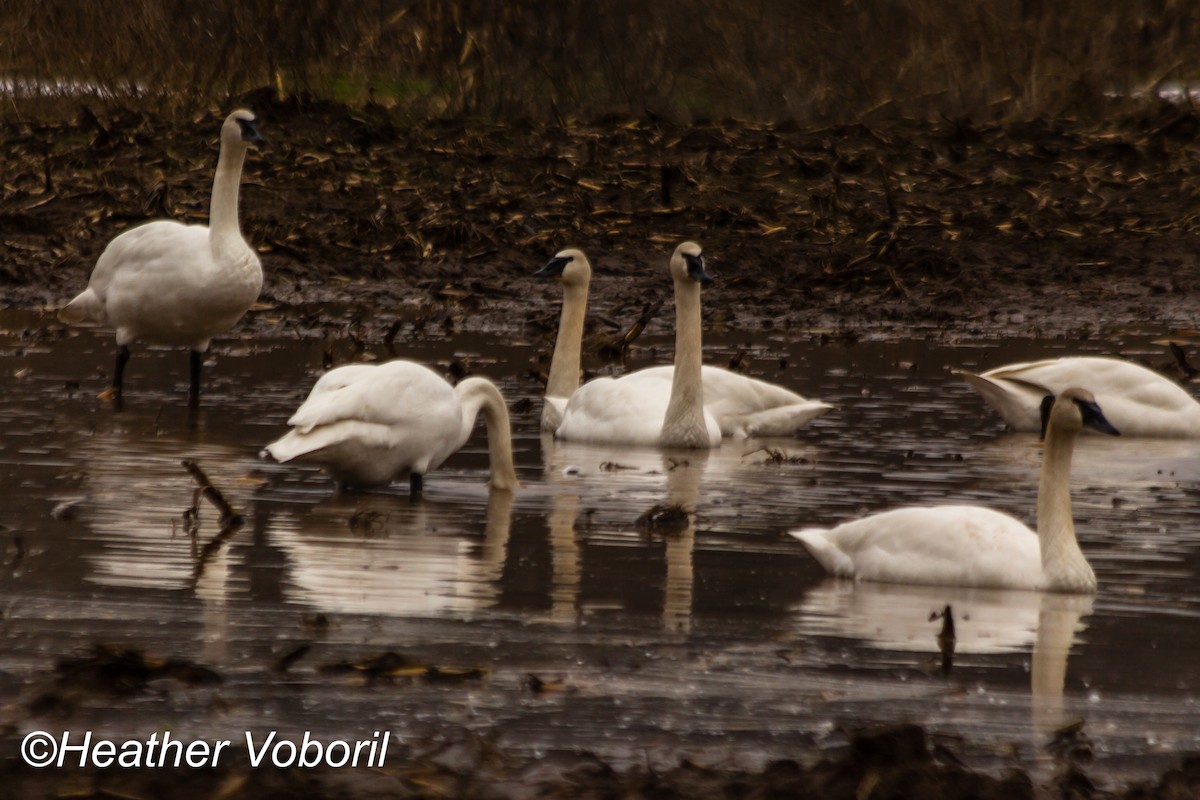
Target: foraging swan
[[972, 545], [1138, 401], [179, 284], [743, 407], [368, 425], [646, 408]]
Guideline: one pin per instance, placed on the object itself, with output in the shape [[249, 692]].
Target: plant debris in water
[[663, 518]]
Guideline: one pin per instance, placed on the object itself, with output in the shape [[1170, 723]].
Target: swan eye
[[1094, 418], [250, 133], [695, 269]]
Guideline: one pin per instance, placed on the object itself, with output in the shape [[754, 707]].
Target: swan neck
[[480, 395], [223, 225], [684, 424], [565, 363], [1063, 563]]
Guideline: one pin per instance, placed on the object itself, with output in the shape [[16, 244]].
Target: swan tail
[[784, 420], [296, 444], [825, 551], [86, 307]]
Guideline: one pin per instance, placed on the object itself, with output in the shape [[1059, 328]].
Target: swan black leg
[[415, 482], [196, 362], [119, 370]]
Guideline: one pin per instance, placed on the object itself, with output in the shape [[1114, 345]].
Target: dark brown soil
[[970, 229], [1032, 227]]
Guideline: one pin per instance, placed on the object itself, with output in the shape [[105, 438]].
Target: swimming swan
[[368, 425], [179, 284], [743, 407], [648, 407], [1138, 401], [971, 545]]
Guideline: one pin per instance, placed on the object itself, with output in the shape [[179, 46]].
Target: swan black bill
[[695, 268], [250, 133], [554, 267], [1093, 418]]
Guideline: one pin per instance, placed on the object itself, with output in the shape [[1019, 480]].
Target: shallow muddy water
[[723, 641]]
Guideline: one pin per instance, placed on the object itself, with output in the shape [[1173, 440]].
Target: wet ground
[[551, 643], [557, 624]]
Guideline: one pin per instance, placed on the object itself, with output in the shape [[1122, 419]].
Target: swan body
[[368, 425], [636, 409], [1138, 401], [177, 284], [742, 406], [959, 545]]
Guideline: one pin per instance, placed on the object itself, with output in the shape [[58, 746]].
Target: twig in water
[[229, 517]]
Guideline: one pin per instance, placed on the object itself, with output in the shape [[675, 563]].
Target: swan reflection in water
[[619, 484], [386, 554], [986, 621]]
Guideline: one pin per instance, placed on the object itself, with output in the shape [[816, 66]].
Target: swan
[[972, 545], [743, 407], [368, 425], [647, 407], [171, 283], [1138, 401]]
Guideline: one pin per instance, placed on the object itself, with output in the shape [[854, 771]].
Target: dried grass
[[831, 60]]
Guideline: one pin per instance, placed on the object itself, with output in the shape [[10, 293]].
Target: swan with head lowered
[[973, 545], [177, 284], [369, 425], [647, 407], [742, 406], [1138, 401]]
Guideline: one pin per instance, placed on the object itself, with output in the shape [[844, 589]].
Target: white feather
[[1136, 400], [742, 406], [178, 284], [973, 546], [368, 425]]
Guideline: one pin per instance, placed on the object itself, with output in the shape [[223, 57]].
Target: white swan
[[368, 425], [743, 407], [178, 284], [1138, 401], [972, 545], [646, 407]]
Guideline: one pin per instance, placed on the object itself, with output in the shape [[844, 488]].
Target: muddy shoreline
[[951, 228], [1039, 227]]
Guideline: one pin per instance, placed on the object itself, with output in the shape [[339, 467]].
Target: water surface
[[723, 641]]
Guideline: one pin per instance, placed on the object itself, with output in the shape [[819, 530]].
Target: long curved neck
[[1063, 563], [480, 394], [684, 425], [225, 232], [565, 364]]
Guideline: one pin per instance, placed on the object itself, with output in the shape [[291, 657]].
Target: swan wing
[[625, 410], [745, 407], [1137, 400], [397, 394], [939, 545]]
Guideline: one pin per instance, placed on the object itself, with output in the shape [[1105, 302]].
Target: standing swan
[[179, 284], [971, 545], [368, 425], [743, 407], [650, 407], [1138, 401]]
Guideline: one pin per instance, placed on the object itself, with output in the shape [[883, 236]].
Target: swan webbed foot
[[416, 482]]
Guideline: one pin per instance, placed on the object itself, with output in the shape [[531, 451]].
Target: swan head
[[687, 263], [239, 128], [1073, 410], [571, 266]]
